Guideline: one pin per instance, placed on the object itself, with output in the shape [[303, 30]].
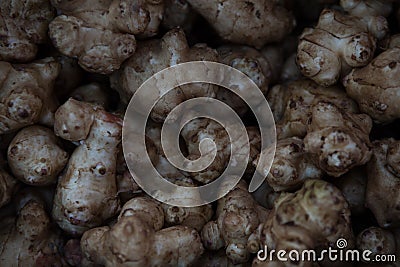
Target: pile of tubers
[[329, 69]]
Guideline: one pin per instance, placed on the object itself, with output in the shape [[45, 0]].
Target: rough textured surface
[[383, 187], [136, 240], [246, 22], [86, 193], [311, 218], [337, 140], [363, 8], [27, 94], [376, 87], [172, 49], [107, 29], [238, 215], [337, 44], [291, 166], [29, 239], [292, 105], [35, 156], [23, 25]]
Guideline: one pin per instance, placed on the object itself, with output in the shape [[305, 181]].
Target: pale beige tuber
[[86, 192], [35, 156]]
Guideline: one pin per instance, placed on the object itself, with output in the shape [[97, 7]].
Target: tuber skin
[[27, 95], [136, 239], [337, 140], [238, 215], [377, 240], [291, 166], [376, 86], [29, 239], [246, 22], [292, 105], [86, 192], [107, 28], [363, 8], [260, 66], [8, 186], [35, 156], [353, 185], [172, 49], [383, 186], [338, 43], [23, 26], [315, 216]]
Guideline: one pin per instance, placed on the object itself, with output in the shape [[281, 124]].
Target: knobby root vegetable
[[314, 217], [376, 240], [291, 166], [86, 192], [338, 43], [137, 239], [35, 156], [23, 25], [172, 49], [383, 187], [337, 140], [101, 34], [238, 215], [292, 105], [8, 185], [254, 23], [376, 87], [27, 96], [30, 239]]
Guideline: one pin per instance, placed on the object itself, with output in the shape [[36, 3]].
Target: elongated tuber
[[86, 193], [35, 156]]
